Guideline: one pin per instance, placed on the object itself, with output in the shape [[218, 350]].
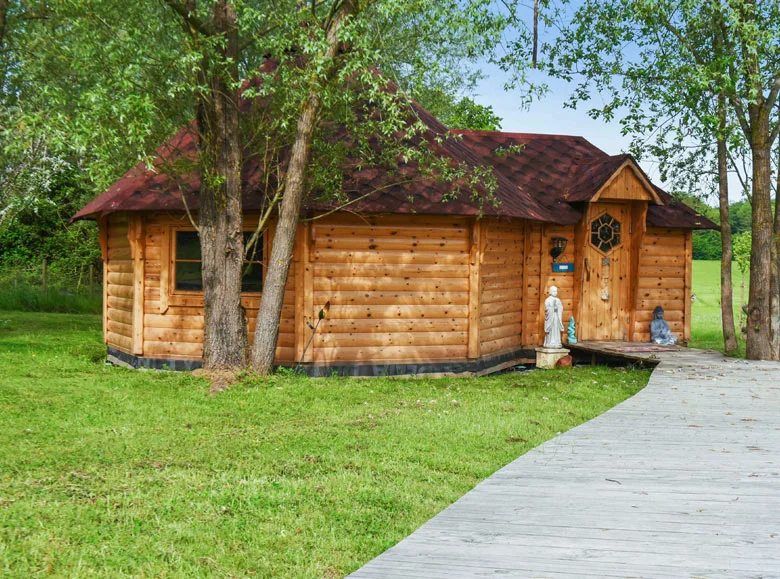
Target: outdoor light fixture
[[558, 247]]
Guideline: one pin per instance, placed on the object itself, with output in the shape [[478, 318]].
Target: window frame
[[619, 233], [173, 230]]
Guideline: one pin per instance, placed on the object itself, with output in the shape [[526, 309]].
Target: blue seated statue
[[659, 329]]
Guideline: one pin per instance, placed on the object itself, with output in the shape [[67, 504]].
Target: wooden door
[[605, 267]]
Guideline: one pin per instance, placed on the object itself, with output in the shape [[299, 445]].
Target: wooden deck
[[682, 480], [642, 352]]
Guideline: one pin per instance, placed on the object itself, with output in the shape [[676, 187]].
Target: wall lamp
[[558, 246]]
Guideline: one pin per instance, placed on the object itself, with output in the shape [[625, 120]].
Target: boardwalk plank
[[682, 480]]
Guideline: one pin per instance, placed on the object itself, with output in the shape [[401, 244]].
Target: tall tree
[[339, 75], [109, 79], [659, 63], [213, 33]]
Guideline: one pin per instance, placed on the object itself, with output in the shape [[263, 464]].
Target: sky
[[548, 115]]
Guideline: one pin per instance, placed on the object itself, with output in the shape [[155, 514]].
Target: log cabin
[[415, 284]]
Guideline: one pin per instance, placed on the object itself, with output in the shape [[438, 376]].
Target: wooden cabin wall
[[173, 321], [532, 273], [564, 280], [398, 288], [501, 286], [624, 186], [664, 279], [118, 284]]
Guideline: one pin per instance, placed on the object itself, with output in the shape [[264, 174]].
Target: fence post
[[91, 279], [44, 271]]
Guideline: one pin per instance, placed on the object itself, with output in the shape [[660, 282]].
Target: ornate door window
[[605, 233]]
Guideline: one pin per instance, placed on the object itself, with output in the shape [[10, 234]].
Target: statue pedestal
[[547, 358]]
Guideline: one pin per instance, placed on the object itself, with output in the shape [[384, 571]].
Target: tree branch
[[187, 15], [773, 92]]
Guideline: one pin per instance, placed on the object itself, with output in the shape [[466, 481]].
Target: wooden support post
[[44, 274], [476, 250], [103, 241], [545, 268], [308, 284], [580, 239], [165, 266], [136, 237], [302, 291], [526, 256], [637, 236], [688, 278]]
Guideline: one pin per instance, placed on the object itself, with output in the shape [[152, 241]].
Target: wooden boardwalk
[[682, 480]]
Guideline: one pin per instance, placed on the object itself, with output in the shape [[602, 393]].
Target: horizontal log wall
[[501, 287], [532, 319], [173, 321], [564, 281], [398, 288], [663, 268], [119, 284]]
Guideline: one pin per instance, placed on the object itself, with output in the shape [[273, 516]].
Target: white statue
[[553, 316]]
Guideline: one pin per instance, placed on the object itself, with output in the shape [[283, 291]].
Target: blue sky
[[548, 114]]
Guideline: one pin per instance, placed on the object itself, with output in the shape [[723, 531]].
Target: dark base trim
[[401, 369], [481, 366], [129, 360]]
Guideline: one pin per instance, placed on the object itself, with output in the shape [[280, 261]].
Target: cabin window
[[188, 265], [605, 233]]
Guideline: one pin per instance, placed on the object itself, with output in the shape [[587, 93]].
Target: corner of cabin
[[118, 283], [664, 279]]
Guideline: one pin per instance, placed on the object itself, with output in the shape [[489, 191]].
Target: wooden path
[[680, 481]]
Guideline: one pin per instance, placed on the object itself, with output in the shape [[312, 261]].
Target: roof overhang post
[[476, 251], [136, 237]]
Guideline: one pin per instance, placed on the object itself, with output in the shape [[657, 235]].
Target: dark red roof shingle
[[558, 170], [538, 177]]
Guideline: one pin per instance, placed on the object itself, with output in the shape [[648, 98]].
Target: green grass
[[111, 472], [29, 298], [706, 327]]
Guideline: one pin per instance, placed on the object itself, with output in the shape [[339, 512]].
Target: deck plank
[[682, 480]]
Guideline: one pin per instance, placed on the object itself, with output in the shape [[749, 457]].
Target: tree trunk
[[775, 285], [270, 312], [726, 287], [225, 344], [759, 331], [3, 15]]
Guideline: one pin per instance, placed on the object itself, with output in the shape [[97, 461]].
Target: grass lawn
[[112, 472], [706, 328]]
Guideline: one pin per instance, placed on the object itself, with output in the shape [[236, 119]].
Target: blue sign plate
[[563, 267]]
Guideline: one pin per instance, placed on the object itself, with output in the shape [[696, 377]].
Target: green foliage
[[38, 229], [706, 326], [91, 88], [707, 244], [659, 67], [466, 114], [743, 243], [112, 472]]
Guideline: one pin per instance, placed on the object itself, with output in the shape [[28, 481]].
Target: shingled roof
[[539, 177], [372, 189], [561, 170]]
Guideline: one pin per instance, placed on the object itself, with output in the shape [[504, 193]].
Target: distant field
[[706, 330]]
